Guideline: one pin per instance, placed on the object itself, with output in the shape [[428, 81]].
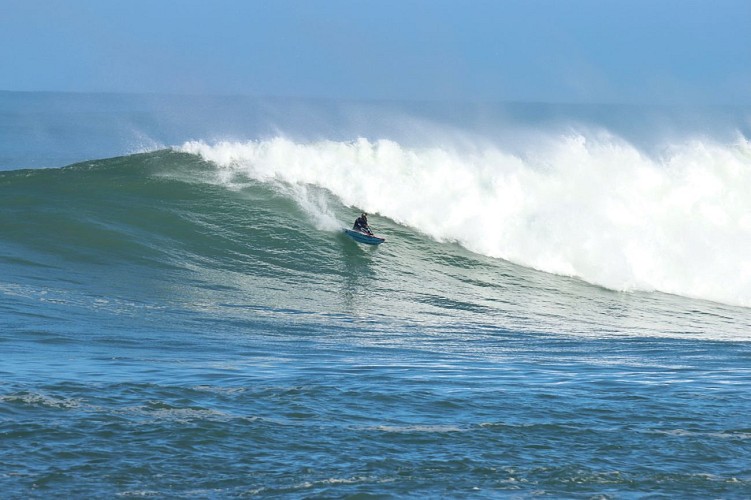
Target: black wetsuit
[[361, 224]]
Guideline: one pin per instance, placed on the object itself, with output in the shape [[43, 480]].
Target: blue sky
[[634, 51]]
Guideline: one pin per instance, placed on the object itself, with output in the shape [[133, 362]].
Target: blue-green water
[[191, 322]]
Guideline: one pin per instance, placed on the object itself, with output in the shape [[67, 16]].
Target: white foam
[[590, 206]]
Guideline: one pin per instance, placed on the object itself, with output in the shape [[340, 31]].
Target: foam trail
[[315, 203], [592, 207]]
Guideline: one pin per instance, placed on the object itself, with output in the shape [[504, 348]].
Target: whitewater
[[594, 208], [561, 308]]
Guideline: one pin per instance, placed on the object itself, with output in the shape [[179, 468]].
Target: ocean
[[561, 309]]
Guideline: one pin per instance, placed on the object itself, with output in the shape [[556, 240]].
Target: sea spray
[[590, 206]]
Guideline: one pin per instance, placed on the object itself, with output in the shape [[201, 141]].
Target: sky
[[625, 51]]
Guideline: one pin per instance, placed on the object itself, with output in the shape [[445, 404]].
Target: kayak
[[368, 239]]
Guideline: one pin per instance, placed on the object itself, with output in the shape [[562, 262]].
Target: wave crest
[[592, 207]]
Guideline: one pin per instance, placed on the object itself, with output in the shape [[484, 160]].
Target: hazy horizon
[[583, 51]]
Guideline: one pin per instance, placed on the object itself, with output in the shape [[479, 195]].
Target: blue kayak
[[359, 237]]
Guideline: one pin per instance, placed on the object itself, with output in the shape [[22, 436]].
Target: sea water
[[561, 308]]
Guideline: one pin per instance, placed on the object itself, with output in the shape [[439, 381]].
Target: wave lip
[[590, 206]]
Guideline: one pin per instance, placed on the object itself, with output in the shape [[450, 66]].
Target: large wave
[[591, 206]]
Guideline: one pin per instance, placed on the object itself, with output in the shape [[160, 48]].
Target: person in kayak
[[361, 224]]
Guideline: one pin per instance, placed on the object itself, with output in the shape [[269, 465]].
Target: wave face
[[596, 208], [258, 228]]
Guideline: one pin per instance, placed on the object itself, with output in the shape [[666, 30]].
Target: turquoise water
[[191, 322]]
